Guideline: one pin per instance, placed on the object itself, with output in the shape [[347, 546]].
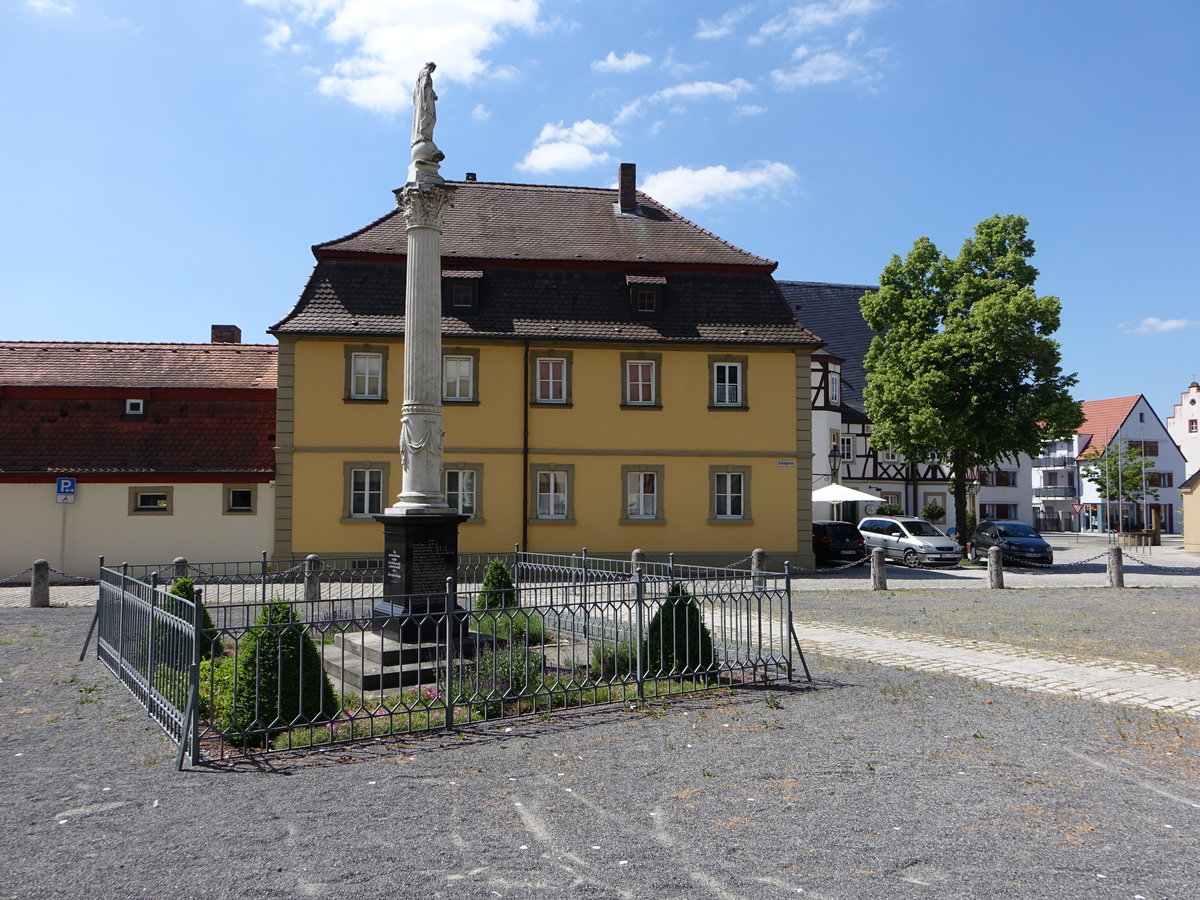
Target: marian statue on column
[[425, 117]]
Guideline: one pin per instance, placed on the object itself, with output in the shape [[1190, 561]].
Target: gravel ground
[[878, 783]]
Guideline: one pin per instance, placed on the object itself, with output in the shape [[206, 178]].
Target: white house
[[1184, 427]]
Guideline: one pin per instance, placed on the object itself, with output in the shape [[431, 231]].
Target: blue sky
[[167, 165]]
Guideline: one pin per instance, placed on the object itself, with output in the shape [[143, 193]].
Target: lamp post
[[835, 464], [973, 493]]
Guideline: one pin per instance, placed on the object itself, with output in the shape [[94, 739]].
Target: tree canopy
[[964, 367]]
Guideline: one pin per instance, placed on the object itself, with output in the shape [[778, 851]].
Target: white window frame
[[552, 491], [366, 498], [641, 495], [462, 491], [847, 448], [722, 385], [134, 407], [835, 389], [456, 394], [552, 382], [640, 378], [729, 495], [366, 376]]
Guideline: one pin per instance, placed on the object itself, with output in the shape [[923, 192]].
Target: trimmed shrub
[[279, 679], [210, 644], [677, 640], [933, 511], [889, 509], [498, 590]]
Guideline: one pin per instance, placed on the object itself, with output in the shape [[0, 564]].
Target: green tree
[[963, 367], [1117, 472]]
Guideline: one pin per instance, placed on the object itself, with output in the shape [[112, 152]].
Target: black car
[[837, 542], [1018, 542]]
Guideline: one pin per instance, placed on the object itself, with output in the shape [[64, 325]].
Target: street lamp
[[835, 460]]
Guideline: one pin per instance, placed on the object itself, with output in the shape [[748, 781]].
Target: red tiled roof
[[63, 364], [534, 222], [179, 434], [1103, 420]]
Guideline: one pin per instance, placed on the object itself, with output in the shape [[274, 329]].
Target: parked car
[[837, 542], [1018, 542], [911, 540]]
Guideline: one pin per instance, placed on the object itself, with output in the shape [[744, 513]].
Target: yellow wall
[[594, 434]]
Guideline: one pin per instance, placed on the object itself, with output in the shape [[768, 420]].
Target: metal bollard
[[878, 570], [995, 568], [39, 584], [1116, 568]]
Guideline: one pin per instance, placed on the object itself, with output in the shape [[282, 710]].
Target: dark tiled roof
[[80, 435], [367, 298], [832, 311], [59, 364], [540, 222]]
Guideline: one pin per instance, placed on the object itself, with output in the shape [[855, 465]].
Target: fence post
[[671, 566], [121, 613], [153, 635], [1116, 568], [39, 584], [263, 578], [878, 570], [312, 577], [191, 717], [516, 573], [995, 568], [641, 637], [758, 565], [181, 567], [448, 694]]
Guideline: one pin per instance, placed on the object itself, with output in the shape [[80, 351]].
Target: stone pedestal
[[420, 553]]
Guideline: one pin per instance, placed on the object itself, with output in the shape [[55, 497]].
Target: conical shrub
[[677, 640]]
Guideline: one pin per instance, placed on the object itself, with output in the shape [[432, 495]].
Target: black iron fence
[[312, 657]]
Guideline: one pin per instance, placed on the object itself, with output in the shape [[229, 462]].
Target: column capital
[[425, 204]]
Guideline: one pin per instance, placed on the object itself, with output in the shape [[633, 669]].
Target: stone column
[[424, 205]]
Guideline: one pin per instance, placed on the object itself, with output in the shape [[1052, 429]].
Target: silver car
[[911, 540]]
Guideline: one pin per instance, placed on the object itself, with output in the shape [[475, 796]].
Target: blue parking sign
[[65, 486]]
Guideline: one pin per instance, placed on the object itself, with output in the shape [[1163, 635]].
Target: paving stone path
[[1106, 680]]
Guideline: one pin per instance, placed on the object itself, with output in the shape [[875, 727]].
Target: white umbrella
[[839, 493]]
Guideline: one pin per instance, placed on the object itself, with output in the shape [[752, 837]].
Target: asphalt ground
[[879, 782]]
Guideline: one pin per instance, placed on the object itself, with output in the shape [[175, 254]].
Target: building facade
[[135, 452], [611, 380], [1183, 425]]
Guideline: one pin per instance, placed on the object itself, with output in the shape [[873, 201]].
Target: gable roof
[[520, 222], [832, 311], [1103, 420], [70, 364], [367, 298]]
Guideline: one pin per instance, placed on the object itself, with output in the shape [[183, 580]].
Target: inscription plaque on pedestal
[[420, 552]]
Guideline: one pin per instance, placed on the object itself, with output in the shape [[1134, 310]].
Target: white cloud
[[710, 29], [52, 6], [750, 109], [805, 18], [480, 113], [704, 90], [630, 62], [382, 45], [683, 187], [825, 67], [628, 111], [560, 156], [570, 147], [279, 36], [1155, 325]]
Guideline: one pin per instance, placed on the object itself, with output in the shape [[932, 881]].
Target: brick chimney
[[627, 188], [226, 334]]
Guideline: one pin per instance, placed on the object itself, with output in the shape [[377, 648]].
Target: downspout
[[525, 452]]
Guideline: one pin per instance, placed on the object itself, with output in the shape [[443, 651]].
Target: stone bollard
[[878, 570], [995, 568], [758, 565], [1116, 568], [181, 567], [312, 577], [638, 558], [39, 584]]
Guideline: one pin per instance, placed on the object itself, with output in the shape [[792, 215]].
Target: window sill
[[550, 404], [364, 400], [728, 408], [744, 521], [563, 521], [641, 406], [457, 402], [654, 521]]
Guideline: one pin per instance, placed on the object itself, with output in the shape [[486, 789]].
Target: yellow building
[[614, 377]]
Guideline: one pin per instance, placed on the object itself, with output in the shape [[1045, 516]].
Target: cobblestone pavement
[[1105, 680]]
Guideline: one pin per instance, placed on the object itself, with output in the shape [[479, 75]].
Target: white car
[[910, 540]]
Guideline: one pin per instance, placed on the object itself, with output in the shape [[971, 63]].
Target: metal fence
[[267, 663]]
